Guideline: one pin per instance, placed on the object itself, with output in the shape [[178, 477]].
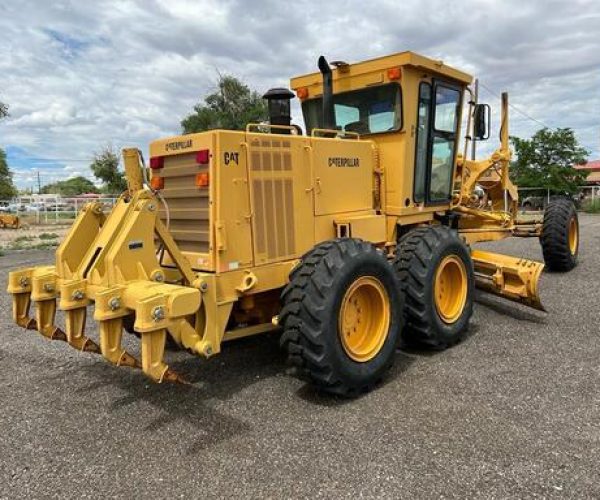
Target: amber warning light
[[202, 180]]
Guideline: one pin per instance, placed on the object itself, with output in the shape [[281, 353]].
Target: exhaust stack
[[328, 112]]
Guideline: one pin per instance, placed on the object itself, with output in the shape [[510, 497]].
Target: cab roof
[[374, 69]]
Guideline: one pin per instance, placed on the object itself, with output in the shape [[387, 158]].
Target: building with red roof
[[593, 167]]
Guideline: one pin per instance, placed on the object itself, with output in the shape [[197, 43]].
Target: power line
[[529, 117], [512, 106]]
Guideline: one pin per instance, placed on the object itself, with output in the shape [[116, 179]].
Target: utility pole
[[476, 100], [39, 183]]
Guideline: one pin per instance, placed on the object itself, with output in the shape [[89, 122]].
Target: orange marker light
[[157, 182], [302, 93], [394, 73], [202, 179]]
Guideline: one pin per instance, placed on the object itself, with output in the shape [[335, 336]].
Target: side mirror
[[482, 118]]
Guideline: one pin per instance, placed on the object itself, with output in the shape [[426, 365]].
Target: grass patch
[[23, 239], [48, 236], [46, 245], [592, 208]]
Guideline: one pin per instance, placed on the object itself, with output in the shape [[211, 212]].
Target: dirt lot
[[32, 236], [513, 411]]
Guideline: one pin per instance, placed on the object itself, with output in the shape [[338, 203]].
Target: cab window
[[371, 110], [422, 146], [446, 108], [445, 127]]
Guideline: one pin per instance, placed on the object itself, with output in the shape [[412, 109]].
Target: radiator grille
[[188, 205], [272, 193]]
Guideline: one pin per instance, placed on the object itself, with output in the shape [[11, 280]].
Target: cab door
[[438, 121]]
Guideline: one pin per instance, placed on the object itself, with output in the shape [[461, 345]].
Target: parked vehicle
[[35, 207], [534, 202], [541, 202]]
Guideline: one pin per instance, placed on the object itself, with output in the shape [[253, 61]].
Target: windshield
[[367, 111]]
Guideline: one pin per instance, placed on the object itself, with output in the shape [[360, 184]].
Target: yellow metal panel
[[343, 175], [280, 193], [71, 251], [233, 214], [179, 144], [325, 225], [367, 227]]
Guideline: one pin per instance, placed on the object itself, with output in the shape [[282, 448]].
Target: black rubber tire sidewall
[[449, 332], [555, 235], [357, 374], [418, 256]]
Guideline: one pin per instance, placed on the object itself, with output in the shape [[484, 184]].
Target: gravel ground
[[513, 411]]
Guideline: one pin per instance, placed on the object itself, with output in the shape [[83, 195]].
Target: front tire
[[436, 271], [341, 316], [560, 235]]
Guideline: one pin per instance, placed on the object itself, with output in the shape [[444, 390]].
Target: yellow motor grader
[[9, 221], [345, 238]]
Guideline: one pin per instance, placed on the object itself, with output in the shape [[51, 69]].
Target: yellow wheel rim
[[573, 236], [364, 319], [450, 288]]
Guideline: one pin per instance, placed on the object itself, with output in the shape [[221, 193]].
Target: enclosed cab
[[410, 107]]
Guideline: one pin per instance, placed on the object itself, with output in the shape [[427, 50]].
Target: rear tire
[[560, 235], [341, 316], [436, 271]]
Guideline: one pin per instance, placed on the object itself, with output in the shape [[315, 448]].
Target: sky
[[82, 75]]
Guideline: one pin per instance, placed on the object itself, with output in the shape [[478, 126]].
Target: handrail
[[269, 126], [342, 134]]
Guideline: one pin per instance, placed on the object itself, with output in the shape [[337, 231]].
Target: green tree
[[106, 168], [70, 187], [547, 160], [231, 107], [7, 187]]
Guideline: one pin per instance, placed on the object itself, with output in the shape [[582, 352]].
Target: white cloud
[[78, 75]]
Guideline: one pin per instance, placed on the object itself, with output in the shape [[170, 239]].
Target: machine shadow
[[313, 395], [242, 363], [177, 405], [511, 309], [245, 363]]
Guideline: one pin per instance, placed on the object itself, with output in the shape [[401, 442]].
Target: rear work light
[[302, 93], [203, 156], [157, 182], [202, 180], [394, 73], [157, 162]]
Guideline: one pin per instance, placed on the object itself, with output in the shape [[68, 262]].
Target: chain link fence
[[536, 199], [49, 210]]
